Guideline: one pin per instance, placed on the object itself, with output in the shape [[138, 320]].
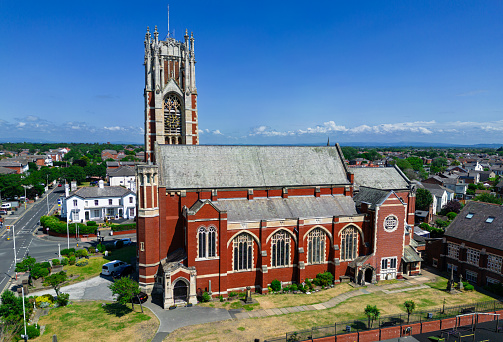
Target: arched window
[[172, 115], [316, 246], [207, 242], [349, 244], [280, 249], [243, 252]]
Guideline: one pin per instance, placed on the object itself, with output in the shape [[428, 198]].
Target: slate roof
[[277, 208], [436, 189], [11, 163], [371, 196], [6, 171], [96, 191], [476, 229], [410, 255], [383, 178], [211, 167], [122, 171]]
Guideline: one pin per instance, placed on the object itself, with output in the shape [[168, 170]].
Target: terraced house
[[224, 218]]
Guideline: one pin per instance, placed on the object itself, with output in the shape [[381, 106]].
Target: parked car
[[142, 297], [110, 267], [122, 271], [125, 241]]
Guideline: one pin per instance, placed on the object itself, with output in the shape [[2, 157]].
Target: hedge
[[57, 226], [122, 227]]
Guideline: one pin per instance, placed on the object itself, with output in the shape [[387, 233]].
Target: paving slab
[[283, 310], [277, 311], [301, 308], [269, 312], [319, 306]]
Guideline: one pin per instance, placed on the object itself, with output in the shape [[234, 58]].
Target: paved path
[[93, 289]]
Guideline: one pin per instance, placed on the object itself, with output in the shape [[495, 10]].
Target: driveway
[[93, 289]]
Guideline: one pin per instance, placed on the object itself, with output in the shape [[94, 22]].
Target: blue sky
[[267, 72]]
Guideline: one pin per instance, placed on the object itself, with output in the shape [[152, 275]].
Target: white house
[[122, 176], [441, 195], [98, 203]]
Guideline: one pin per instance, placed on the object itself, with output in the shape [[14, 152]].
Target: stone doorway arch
[[368, 275], [181, 290]]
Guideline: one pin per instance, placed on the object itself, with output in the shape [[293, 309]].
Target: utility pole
[[47, 195], [67, 230]]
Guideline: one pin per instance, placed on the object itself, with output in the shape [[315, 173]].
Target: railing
[[339, 328]]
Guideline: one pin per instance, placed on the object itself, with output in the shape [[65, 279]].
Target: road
[[26, 242]]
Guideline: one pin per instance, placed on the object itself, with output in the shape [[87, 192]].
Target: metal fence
[[339, 328]]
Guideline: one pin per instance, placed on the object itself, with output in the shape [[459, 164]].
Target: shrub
[[293, 287], [323, 279], [205, 297], [26, 264], [123, 227], [233, 294], [276, 285], [91, 223], [72, 260], [64, 261], [467, 286], [38, 271], [63, 299], [55, 262], [68, 251], [91, 250], [301, 288], [451, 215], [81, 253], [44, 301], [82, 262], [101, 248], [33, 331], [242, 295], [221, 298]]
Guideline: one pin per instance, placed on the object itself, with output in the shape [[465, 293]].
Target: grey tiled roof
[[193, 167], [244, 210], [6, 171], [436, 189], [476, 229], [371, 196], [410, 255], [384, 178], [122, 171], [95, 191]]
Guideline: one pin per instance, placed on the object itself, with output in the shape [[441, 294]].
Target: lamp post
[[25, 337], [59, 251], [15, 254], [47, 195], [67, 230]]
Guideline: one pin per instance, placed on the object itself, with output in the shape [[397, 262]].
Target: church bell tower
[[170, 92]]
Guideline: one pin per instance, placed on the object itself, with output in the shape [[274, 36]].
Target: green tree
[[126, 289], [56, 280], [11, 309], [423, 199], [410, 306], [488, 198], [372, 313], [349, 152], [416, 163], [26, 264]]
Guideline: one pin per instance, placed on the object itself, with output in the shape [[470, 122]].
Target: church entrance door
[[180, 291], [368, 275]]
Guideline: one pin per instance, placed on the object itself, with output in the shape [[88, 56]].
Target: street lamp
[[47, 195]]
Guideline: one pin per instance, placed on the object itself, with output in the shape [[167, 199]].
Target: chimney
[[73, 185], [67, 190], [101, 184]]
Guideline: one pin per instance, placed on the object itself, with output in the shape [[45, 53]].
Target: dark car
[[140, 298], [122, 271]]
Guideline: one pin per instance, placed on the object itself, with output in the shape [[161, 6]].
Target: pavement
[[93, 289]]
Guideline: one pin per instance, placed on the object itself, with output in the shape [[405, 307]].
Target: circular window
[[391, 223]]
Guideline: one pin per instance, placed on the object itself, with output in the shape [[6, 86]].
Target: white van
[[110, 267], [6, 205]]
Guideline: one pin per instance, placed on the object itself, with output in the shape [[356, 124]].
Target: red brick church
[[222, 218]]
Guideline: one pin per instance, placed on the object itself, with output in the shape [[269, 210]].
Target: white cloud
[[114, 128]]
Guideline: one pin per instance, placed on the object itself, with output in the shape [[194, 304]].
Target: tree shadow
[[117, 309]]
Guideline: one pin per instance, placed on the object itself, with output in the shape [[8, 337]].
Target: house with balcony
[[99, 203]]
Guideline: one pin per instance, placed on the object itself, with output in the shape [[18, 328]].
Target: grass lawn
[[89, 321], [266, 327], [93, 268]]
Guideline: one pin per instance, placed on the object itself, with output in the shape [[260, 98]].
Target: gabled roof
[[436, 189], [383, 178], [373, 197], [6, 171], [410, 255], [277, 208], [212, 167], [122, 171], [476, 229], [96, 191]]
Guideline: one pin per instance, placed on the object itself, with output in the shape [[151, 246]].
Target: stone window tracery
[[243, 252], [172, 115], [206, 239], [349, 244], [391, 223], [280, 249], [316, 246]]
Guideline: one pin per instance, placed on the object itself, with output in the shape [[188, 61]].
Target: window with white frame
[[75, 216], [131, 199], [243, 252], [206, 240], [131, 211], [472, 256], [494, 263], [86, 203], [453, 251], [96, 213], [349, 243], [471, 276], [316, 246], [492, 281], [74, 203], [280, 249], [110, 212], [110, 201], [391, 223], [388, 263]]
